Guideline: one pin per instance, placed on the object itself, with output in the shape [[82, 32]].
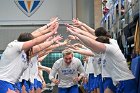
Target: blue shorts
[[37, 84], [72, 89], [99, 83], [4, 85], [127, 86], [91, 84], [94, 83], [18, 86], [28, 85], [108, 83]]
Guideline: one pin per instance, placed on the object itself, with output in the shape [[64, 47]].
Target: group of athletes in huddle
[[105, 69]]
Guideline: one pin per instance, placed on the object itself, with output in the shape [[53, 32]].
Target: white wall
[[9, 32], [85, 11], [11, 12]]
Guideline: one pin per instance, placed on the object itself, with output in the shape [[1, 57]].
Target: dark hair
[[25, 37], [103, 39], [101, 31]]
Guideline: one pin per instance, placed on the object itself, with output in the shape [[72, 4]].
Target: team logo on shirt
[[99, 61], [29, 7], [68, 71], [24, 59]]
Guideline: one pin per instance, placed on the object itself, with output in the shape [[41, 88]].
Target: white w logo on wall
[[28, 7]]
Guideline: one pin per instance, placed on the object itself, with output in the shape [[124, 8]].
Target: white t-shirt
[[89, 67], [66, 74], [114, 42], [114, 62], [33, 68], [93, 66], [39, 71], [96, 65], [25, 75], [85, 67], [13, 62], [31, 72], [104, 72]]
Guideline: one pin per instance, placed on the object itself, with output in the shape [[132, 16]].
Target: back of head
[[101, 31], [25, 37], [67, 52], [103, 39]]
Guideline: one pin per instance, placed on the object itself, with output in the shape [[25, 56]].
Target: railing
[[114, 20]]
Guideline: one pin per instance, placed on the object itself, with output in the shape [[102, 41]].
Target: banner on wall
[[35, 12], [28, 7]]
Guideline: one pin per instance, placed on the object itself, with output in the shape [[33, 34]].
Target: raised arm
[[54, 46], [83, 51], [42, 46], [44, 68], [43, 54], [79, 23], [80, 31], [29, 44], [91, 43], [46, 28]]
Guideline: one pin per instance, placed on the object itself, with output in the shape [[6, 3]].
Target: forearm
[[42, 47], [46, 44], [85, 52], [41, 76], [89, 35], [83, 28], [47, 69], [52, 47], [46, 28], [91, 30], [43, 54], [41, 58], [91, 43], [42, 38], [40, 31], [28, 44]]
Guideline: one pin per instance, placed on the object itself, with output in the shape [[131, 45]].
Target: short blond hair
[[67, 52]]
